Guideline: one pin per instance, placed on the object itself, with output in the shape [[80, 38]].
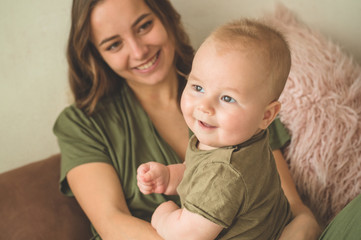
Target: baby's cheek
[[186, 105]]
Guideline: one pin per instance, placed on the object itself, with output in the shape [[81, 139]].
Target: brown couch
[[32, 207]]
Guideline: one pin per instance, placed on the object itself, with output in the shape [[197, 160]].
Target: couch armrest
[[32, 207]]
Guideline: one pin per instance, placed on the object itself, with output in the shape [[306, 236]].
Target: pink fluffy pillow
[[321, 107]]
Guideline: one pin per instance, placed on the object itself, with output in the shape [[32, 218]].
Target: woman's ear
[[270, 114]]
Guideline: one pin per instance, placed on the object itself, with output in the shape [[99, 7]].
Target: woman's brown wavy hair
[[90, 77]]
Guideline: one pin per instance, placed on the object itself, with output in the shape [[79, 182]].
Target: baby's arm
[[153, 177], [173, 223]]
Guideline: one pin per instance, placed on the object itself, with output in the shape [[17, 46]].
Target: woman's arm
[[97, 189], [304, 225]]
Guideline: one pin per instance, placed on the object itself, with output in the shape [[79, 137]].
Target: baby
[[228, 185]]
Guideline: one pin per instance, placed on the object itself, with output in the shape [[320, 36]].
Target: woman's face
[[133, 41]]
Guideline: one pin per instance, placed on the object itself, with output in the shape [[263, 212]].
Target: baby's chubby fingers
[[145, 188], [152, 177], [144, 174], [143, 168], [144, 182]]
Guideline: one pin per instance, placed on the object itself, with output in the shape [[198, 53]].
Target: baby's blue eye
[[198, 88], [228, 99]]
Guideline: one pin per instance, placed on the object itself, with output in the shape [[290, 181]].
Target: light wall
[[33, 78], [33, 71], [337, 19]]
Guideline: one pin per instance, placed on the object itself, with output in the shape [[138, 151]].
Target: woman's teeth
[[148, 64]]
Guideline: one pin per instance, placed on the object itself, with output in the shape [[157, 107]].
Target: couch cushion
[[32, 207], [321, 106]]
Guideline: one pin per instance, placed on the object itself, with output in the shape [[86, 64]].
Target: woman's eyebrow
[[133, 25], [108, 39], [140, 19]]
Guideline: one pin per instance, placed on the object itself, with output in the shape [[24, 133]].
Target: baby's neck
[[202, 146]]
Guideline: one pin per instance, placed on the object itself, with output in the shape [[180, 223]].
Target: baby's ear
[[270, 114]]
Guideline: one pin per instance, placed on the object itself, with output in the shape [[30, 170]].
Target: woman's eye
[[114, 46], [198, 88], [145, 26], [228, 99]]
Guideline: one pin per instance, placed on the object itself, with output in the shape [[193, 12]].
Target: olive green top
[[346, 224], [121, 134], [236, 187]]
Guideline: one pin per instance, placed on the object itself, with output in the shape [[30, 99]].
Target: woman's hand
[[304, 225]]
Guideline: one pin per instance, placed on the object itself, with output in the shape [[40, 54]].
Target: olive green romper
[[236, 187]]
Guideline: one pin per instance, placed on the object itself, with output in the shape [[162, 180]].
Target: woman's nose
[[138, 50]]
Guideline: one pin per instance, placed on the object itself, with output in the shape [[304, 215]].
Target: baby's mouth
[[149, 63], [204, 124]]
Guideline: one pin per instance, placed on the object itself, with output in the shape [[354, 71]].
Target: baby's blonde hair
[[252, 34]]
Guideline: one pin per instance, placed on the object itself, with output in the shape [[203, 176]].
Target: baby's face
[[224, 100]]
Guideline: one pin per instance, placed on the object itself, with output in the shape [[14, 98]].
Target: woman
[[128, 60]]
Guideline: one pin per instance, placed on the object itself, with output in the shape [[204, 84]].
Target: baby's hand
[[152, 177]]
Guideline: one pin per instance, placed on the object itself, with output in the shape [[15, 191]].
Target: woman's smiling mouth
[[148, 64]]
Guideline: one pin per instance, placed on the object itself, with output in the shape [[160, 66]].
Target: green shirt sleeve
[[218, 203], [278, 135], [79, 141]]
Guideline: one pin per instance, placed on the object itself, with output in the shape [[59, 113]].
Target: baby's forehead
[[236, 49]]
